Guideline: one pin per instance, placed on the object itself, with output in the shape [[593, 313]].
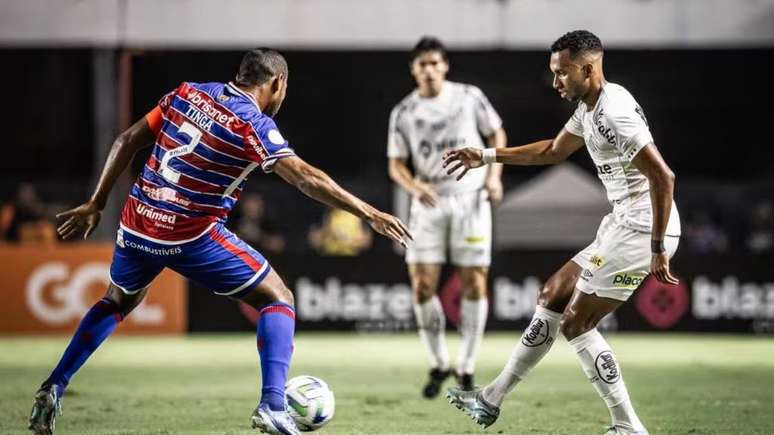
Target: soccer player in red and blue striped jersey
[[207, 138]]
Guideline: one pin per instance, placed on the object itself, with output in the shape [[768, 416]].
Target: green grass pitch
[[209, 384]]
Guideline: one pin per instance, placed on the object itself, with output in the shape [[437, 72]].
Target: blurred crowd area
[[276, 219]]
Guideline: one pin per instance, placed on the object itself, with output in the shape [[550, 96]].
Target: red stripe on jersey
[[167, 143], [239, 252], [161, 224]]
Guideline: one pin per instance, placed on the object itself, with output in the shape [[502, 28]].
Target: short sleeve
[[266, 145], [575, 124], [631, 129], [155, 120], [397, 139], [487, 119]]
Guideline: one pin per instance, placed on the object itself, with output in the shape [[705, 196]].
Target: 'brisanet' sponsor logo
[[624, 280], [204, 105], [148, 212]]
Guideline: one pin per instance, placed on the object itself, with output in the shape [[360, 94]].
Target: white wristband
[[489, 155]]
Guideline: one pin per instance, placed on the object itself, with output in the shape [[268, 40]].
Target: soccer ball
[[310, 402]]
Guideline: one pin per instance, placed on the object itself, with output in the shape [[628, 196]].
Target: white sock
[[431, 323], [472, 324], [535, 343], [602, 369]]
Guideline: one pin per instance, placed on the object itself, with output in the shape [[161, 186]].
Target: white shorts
[[461, 224], [617, 261]]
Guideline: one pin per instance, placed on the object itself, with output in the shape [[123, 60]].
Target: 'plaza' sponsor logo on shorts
[[159, 217], [536, 334], [624, 280], [607, 367], [164, 194], [204, 105], [586, 275]]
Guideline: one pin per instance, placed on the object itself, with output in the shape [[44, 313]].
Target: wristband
[[657, 246], [489, 155]]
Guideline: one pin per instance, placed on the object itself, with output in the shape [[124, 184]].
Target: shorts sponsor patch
[[628, 281], [596, 260]]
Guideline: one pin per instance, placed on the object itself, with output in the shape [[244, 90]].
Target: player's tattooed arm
[[544, 152], [401, 174], [84, 218], [494, 184], [662, 184], [318, 185]]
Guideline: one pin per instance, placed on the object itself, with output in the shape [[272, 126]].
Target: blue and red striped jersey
[[210, 136]]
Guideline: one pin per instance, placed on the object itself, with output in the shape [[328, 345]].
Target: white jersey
[[424, 128], [615, 130]]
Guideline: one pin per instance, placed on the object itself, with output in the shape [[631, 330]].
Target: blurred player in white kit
[[446, 215]]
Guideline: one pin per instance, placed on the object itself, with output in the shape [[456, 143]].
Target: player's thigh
[[470, 236], [558, 289], [584, 313], [223, 263], [430, 227], [424, 280], [473, 281], [133, 268]]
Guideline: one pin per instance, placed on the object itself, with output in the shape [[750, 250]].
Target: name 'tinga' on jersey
[[209, 137]]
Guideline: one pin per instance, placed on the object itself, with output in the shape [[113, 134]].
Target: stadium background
[[76, 73]]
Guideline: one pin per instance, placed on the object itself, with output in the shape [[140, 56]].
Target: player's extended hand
[[390, 226], [495, 190], [81, 219], [659, 267], [467, 158], [426, 194]]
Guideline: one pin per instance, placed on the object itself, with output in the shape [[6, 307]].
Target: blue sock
[[275, 347], [98, 323]]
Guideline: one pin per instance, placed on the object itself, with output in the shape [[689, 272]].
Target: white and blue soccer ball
[[310, 402]]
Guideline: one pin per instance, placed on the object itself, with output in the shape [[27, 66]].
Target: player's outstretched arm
[[544, 152], [84, 218], [662, 184], [318, 185]]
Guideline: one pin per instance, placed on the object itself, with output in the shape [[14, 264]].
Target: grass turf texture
[[209, 384]]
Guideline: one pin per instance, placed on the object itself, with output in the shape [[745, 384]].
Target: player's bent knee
[[126, 302], [573, 326]]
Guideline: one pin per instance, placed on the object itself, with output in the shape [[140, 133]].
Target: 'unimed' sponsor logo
[[144, 210]]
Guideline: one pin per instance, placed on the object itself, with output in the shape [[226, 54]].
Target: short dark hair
[[578, 42], [259, 65], [429, 43]]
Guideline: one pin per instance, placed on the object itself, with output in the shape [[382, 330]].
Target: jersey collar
[[234, 89]]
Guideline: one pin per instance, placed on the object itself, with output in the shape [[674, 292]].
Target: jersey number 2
[[191, 131]]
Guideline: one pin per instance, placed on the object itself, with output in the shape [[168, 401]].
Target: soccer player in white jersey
[[639, 236], [446, 215]]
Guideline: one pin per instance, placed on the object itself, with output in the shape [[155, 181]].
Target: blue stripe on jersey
[[187, 169], [201, 198], [183, 106]]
